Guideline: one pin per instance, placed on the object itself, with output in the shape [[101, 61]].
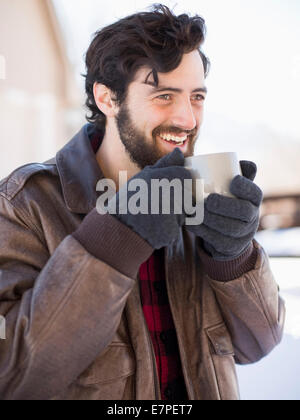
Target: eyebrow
[[157, 89]]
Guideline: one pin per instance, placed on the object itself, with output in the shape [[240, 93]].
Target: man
[[124, 306]]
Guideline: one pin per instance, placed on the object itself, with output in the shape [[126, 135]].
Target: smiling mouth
[[175, 142]]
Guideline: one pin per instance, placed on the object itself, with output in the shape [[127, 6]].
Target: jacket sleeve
[[252, 310], [61, 310]]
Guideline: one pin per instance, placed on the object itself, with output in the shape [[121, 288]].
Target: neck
[[112, 156]]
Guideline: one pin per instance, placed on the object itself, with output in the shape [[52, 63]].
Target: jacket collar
[[79, 172]]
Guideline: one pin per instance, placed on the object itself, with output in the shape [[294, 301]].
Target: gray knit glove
[[158, 230], [230, 224]]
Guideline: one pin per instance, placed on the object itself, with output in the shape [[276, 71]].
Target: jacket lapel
[[79, 173]]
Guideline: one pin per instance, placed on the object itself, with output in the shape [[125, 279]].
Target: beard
[[140, 151]]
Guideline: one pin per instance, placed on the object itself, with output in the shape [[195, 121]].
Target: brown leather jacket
[[74, 324]]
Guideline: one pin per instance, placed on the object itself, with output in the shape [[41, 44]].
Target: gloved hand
[[158, 230], [229, 223]]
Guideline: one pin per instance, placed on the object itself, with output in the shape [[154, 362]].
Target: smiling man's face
[[155, 120]]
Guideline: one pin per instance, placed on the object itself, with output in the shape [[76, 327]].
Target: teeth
[[169, 137]]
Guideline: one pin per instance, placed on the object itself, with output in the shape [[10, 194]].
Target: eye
[[165, 97], [199, 97]]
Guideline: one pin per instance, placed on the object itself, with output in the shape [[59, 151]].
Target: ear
[[103, 99]]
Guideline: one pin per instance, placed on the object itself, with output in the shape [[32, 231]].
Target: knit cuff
[[231, 269], [111, 241]]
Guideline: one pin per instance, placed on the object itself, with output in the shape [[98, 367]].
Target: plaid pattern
[[95, 136], [161, 327], [158, 315]]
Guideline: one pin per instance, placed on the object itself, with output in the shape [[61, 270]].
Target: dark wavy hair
[[156, 39]]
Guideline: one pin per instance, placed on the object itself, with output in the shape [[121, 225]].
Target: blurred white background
[[252, 107]]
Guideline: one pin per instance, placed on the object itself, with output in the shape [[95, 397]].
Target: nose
[[183, 115]]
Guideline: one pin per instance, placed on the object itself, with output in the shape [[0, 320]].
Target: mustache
[[173, 129]]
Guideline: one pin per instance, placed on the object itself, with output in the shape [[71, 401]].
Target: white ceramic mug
[[216, 170]]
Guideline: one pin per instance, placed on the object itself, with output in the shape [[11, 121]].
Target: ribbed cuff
[[232, 269], [109, 240]]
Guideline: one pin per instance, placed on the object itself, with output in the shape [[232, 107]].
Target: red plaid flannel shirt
[[158, 317], [160, 323]]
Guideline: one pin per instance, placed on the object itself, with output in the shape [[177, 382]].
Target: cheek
[[199, 116], [153, 118]]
